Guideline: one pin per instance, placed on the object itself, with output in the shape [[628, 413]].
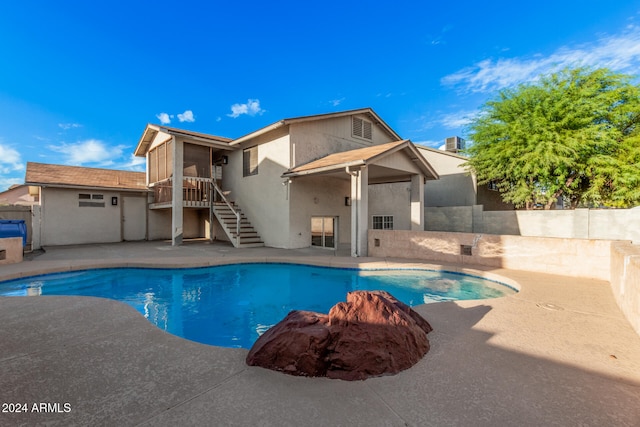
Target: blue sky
[[79, 80]]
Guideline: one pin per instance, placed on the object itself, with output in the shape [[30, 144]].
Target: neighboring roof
[[17, 194], [366, 111], [151, 131], [362, 157], [45, 175], [448, 153]]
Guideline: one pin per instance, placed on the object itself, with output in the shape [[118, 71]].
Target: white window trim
[[383, 222]]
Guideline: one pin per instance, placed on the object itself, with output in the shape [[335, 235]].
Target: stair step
[[248, 237]]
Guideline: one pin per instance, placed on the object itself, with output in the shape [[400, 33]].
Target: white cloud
[[619, 52], [187, 116], [164, 118], [135, 164], [9, 156], [336, 102], [251, 108], [67, 126], [457, 119], [89, 151], [5, 182], [10, 162]]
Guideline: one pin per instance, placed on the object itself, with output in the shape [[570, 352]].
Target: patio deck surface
[[559, 352]]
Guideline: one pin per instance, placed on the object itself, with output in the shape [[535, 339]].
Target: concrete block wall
[[572, 257], [11, 250], [606, 224], [625, 280]]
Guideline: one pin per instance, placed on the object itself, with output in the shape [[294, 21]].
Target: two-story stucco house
[[296, 183], [319, 180]]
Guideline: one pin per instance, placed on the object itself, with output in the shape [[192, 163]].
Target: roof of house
[[362, 157], [42, 174], [152, 130], [366, 111], [17, 194]]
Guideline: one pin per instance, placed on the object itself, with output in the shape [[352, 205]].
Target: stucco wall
[[313, 140], [455, 187], [391, 199], [262, 197], [195, 223], [625, 280], [319, 196], [572, 257], [11, 250], [63, 222]]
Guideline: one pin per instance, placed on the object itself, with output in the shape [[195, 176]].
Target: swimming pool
[[232, 305]]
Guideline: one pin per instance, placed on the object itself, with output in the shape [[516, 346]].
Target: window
[[160, 162], [361, 128], [87, 200], [250, 161], [493, 186], [383, 222]]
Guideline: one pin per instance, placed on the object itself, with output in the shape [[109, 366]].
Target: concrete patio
[[559, 352]]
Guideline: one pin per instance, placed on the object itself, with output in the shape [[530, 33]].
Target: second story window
[[250, 161]]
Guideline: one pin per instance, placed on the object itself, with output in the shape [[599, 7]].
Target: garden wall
[[570, 257], [607, 224], [625, 280], [615, 261]]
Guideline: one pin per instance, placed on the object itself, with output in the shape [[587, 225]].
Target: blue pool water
[[232, 305]]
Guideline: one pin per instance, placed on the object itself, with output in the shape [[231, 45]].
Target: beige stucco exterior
[[64, 222], [457, 186], [388, 180], [281, 209]]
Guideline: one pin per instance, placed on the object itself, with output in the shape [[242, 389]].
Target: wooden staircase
[[234, 223]]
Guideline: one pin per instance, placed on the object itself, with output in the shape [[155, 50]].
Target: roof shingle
[[76, 176]]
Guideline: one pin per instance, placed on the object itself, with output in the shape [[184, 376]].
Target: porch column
[[176, 193], [359, 211], [417, 203]]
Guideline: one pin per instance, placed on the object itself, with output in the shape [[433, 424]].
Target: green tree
[[574, 135]]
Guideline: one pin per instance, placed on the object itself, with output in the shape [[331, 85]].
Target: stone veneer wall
[[625, 280], [11, 250], [571, 257]]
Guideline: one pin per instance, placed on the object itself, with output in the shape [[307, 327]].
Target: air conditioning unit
[[454, 144]]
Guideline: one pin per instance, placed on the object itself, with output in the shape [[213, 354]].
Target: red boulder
[[371, 334]]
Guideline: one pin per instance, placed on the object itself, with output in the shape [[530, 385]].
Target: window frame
[[382, 222], [250, 161]]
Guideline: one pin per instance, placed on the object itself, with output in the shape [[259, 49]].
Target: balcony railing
[[196, 192]]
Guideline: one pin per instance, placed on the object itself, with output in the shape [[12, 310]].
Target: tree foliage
[[574, 135]]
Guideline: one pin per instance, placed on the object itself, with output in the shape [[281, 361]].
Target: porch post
[[417, 203], [176, 193], [359, 211]]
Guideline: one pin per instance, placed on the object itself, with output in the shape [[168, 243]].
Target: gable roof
[[45, 175], [151, 131], [363, 157], [366, 111]]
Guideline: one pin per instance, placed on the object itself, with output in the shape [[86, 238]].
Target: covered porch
[[391, 163]]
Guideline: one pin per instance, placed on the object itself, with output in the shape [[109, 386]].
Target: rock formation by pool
[[371, 334]]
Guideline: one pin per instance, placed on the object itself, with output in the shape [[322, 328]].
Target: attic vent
[[362, 128]]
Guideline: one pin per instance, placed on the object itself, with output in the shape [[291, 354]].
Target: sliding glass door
[[323, 231]]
